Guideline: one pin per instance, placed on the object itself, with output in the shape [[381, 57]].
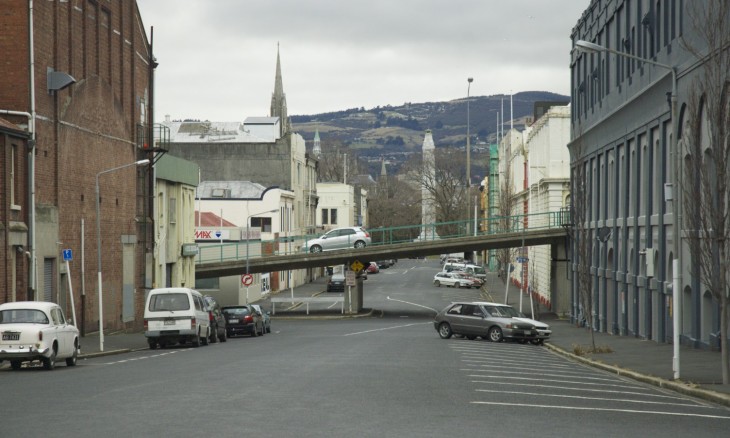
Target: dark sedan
[[336, 283], [243, 320]]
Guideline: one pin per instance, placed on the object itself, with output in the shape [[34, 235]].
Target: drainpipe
[[31, 156]]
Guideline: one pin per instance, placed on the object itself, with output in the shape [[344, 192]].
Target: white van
[[176, 315]]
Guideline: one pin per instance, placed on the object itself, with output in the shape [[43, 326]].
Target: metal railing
[[216, 253]]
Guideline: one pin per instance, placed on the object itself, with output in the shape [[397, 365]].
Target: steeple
[[278, 98]]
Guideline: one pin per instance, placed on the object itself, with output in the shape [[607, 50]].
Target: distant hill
[[392, 131]]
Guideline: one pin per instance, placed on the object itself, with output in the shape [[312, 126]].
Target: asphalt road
[[385, 376]]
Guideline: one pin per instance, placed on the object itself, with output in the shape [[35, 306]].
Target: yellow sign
[[357, 266]]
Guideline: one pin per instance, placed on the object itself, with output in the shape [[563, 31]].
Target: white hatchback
[[37, 330]]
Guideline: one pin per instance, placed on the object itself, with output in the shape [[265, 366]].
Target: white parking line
[[625, 400], [534, 385], [582, 408], [386, 328]]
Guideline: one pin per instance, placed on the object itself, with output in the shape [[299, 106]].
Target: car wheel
[[213, 335], [495, 334], [537, 341], [359, 244], [457, 285], [152, 344], [315, 248], [223, 337], [71, 361], [471, 337], [15, 364], [445, 330], [49, 363], [204, 339], [196, 340], [437, 283]]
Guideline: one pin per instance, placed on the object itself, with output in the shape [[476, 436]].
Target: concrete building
[[622, 131], [340, 205], [263, 150], [254, 220], [174, 212], [546, 164], [86, 108]]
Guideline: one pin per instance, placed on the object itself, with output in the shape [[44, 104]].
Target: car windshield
[[169, 302], [23, 316], [503, 311], [236, 311]]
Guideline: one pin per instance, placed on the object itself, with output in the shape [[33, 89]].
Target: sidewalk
[[639, 359]]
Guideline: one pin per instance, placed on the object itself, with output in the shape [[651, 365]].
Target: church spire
[[278, 98], [317, 149]]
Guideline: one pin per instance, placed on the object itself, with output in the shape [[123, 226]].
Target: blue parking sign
[[67, 255]]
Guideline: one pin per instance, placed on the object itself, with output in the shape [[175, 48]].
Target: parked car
[[217, 320], [265, 315], [336, 283], [176, 315], [492, 321], [340, 238], [372, 268], [243, 320], [451, 279], [463, 274], [37, 330]]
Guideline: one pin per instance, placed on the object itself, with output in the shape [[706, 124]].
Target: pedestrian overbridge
[[237, 259]]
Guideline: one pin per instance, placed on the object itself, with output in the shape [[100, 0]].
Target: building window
[[13, 175], [172, 213], [333, 216], [325, 216], [262, 222]]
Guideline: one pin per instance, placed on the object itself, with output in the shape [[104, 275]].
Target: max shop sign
[[235, 234]]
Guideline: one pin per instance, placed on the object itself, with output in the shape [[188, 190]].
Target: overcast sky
[[217, 58]]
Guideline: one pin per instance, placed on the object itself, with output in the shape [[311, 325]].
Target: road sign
[[67, 255], [357, 266], [350, 278], [522, 259], [247, 279]]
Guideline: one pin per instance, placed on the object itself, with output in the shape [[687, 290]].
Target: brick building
[[84, 108]]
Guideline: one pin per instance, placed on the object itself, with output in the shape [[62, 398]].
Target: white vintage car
[[37, 330]]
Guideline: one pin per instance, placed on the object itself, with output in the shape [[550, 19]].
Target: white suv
[[340, 238]]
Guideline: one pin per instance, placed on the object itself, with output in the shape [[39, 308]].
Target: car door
[[59, 331], [330, 240], [472, 318], [455, 319]]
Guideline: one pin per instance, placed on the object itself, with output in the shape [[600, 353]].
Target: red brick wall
[[82, 130]]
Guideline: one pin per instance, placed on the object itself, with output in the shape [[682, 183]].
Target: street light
[[248, 236], [98, 245], [468, 156], [588, 47]]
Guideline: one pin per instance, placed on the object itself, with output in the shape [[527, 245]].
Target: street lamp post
[[468, 156], [676, 185], [98, 246], [248, 236]]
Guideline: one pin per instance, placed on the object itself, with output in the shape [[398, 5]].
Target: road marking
[[579, 408], [412, 304], [386, 328], [534, 385], [144, 357], [626, 400]]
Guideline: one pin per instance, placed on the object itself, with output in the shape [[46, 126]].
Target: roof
[[210, 219], [261, 121], [213, 132], [230, 190], [8, 126], [42, 305]]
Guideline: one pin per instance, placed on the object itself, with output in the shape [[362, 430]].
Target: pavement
[[639, 359]]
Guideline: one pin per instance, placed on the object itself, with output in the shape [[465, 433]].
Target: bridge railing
[[213, 253]]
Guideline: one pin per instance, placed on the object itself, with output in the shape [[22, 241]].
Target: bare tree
[[335, 155], [394, 203], [445, 181], [705, 140]]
